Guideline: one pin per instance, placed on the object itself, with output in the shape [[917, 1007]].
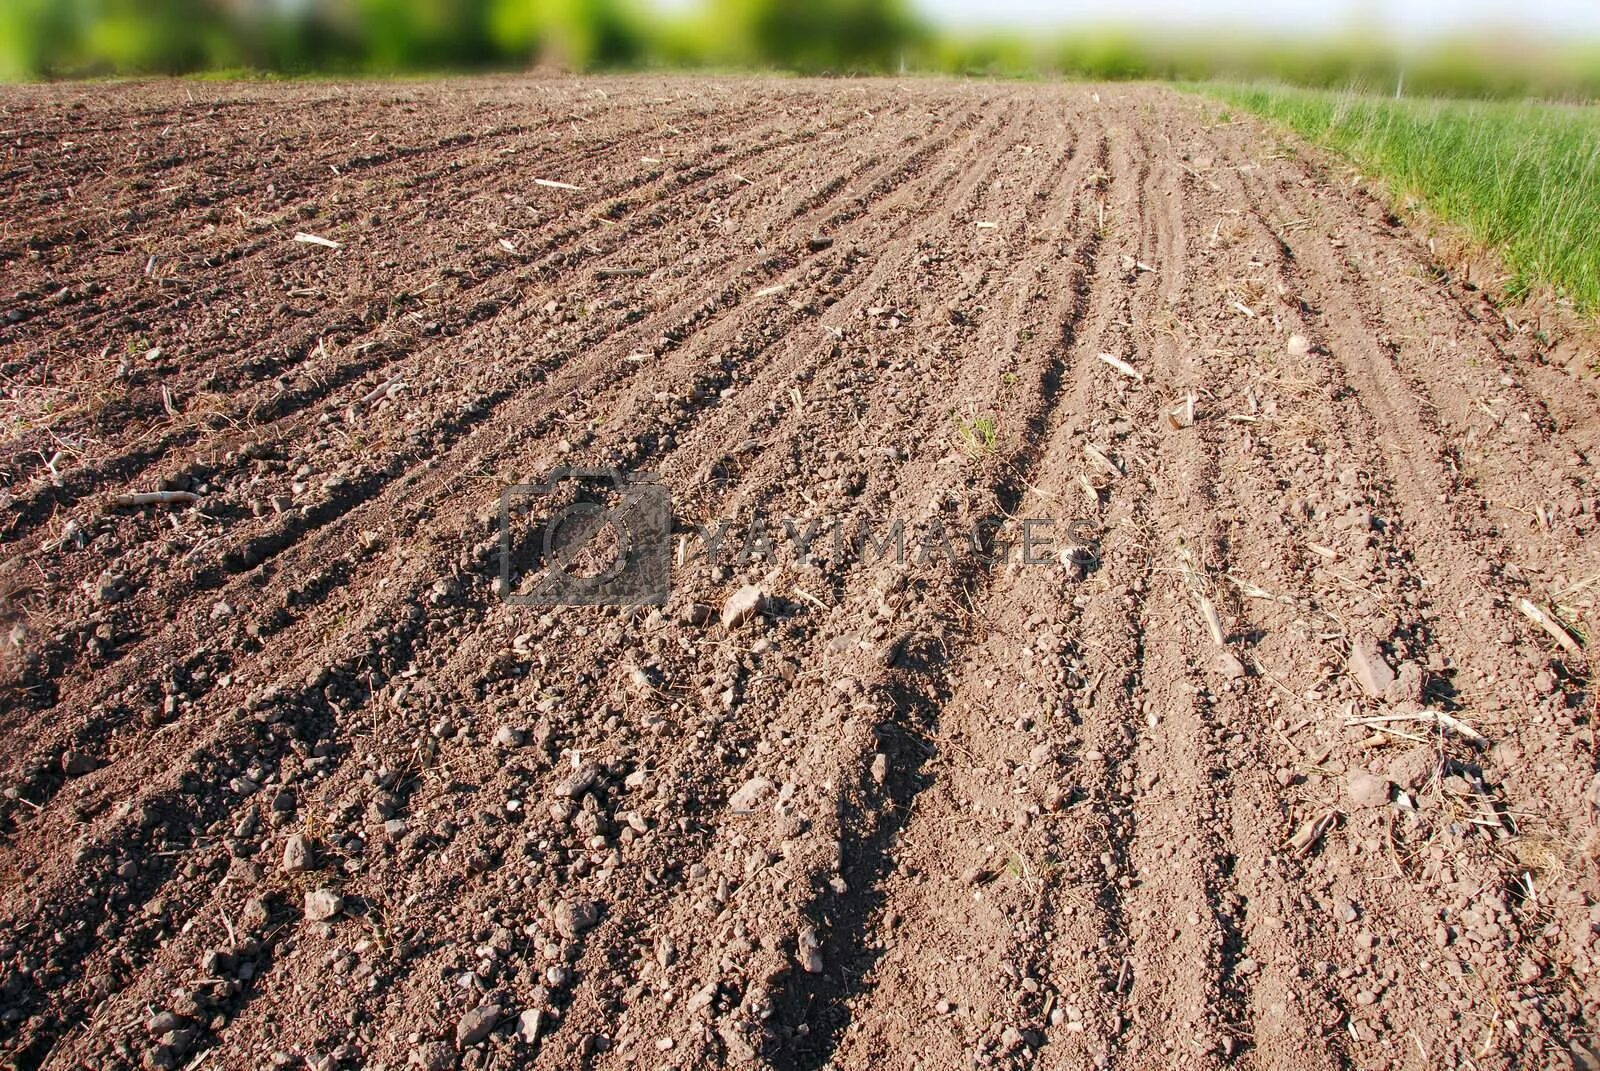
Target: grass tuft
[[1521, 179], [976, 436]]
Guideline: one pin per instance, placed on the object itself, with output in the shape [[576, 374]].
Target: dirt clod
[[1367, 789], [434, 1056], [751, 795], [742, 606], [572, 918], [476, 1024], [1369, 668]]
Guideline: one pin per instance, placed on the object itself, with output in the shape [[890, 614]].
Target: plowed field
[[1269, 768]]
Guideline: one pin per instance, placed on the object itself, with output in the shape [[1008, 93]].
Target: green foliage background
[[54, 38], [65, 38]]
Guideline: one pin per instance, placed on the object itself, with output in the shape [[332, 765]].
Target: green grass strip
[[1522, 179]]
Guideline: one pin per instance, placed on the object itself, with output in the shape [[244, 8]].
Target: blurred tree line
[[60, 38], [54, 38], [75, 37]]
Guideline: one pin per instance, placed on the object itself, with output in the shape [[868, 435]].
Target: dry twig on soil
[[1547, 621], [1123, 366], [155, 498], [317, 239], [1438, 717]]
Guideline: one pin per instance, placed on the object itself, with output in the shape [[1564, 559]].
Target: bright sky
[[1405, 18]]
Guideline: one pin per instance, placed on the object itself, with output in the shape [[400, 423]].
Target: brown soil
[[960, 811]]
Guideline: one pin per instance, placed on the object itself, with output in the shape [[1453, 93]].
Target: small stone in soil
[[434, 1056], [808, 950], [476, 1025], [577, 782], [752, 794], [742, 605], [1368, 667], [573, 917], [1227, 665], [297, 854], [323, 904]]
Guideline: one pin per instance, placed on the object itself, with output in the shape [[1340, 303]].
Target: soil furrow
[[483, 596], [348, 327], [1350, 890], [881, 271], [251, 551], [691, 319]]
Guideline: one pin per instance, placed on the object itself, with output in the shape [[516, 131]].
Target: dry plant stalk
[[1547, 621], [1102, 460], [1181, 415], [1208, 610], [155, 498], [1313, 830], [386, 388], [317, 239], [1444, 721], [1213, 621], [1123, 366]]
